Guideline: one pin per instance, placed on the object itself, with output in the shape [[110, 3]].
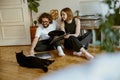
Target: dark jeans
[[44, 45], [76, 43]]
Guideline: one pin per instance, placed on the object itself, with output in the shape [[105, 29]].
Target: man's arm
[[33, 45]]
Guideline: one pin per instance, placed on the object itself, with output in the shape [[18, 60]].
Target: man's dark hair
[[45, 15]]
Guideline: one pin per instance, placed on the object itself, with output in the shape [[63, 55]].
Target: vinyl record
[[56, 33]]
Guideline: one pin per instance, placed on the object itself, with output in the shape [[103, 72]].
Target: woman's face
[[45, 22], [64, 16]]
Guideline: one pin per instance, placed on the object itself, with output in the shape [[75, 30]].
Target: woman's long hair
[[69, 13]]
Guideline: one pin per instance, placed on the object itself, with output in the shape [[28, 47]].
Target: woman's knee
[[72, 37]]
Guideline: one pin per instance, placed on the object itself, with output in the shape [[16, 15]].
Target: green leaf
[[33, 5], [111, 35]]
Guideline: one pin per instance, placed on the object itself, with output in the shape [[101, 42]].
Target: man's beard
[[45, 26]]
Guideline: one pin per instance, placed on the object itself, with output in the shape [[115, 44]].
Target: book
[[43, 55]]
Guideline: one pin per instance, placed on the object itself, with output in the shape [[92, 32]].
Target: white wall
[[92, 7], [47, 5]]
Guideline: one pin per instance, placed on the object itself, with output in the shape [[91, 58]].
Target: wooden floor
[[10, 70]]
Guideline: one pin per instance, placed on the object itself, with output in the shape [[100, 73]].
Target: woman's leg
[[67, 44], [87, 54], [73, 43], [78, 47], [85, 39]]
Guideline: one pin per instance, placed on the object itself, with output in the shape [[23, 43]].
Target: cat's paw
[[51, 61], [48, 62], [45, 69]]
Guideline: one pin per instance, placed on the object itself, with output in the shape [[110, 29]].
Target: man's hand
[[31, 52]]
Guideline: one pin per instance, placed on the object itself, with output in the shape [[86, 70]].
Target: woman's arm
[[62, 26], [78, 26]]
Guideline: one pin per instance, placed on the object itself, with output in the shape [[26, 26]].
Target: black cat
[[33, 62]]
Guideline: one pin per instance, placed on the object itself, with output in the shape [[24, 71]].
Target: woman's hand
[[67, 36]]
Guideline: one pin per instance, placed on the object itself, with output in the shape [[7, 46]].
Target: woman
[[42, 40], [73, 40]]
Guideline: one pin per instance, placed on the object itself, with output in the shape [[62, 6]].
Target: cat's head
[[19, 54], [20, 57]]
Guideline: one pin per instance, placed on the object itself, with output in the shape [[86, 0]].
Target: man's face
[[45, 22]]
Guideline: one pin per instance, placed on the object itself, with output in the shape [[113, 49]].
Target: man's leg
[[42, 45]]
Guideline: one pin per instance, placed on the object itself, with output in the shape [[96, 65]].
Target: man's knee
[[36, 49]]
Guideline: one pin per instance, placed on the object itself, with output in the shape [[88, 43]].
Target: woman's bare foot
[[87, 54], [77, 53]]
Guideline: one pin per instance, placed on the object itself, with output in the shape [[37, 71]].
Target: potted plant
[[77, 12], [33, 30], [111, 35], [35, 23], [33, 6]]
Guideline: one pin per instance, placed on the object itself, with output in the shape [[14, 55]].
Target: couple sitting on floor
[[72, 38]]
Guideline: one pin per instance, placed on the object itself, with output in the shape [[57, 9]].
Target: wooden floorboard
[[10, 70]]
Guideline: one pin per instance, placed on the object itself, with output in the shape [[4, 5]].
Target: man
[[42, 40]]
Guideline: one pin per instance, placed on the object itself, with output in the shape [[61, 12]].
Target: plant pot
[[32, 32]]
